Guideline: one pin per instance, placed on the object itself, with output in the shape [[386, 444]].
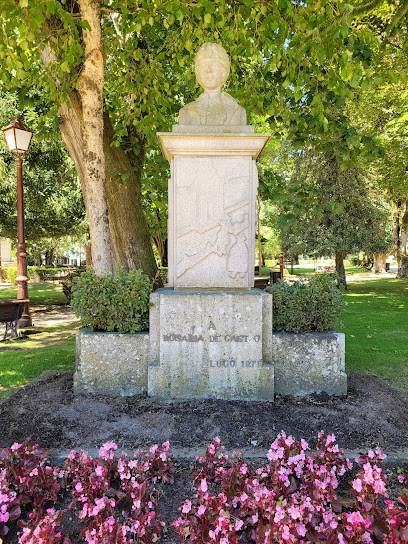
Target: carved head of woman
[[212, 67]]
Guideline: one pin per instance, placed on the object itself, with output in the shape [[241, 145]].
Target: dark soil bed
[[372, 414]]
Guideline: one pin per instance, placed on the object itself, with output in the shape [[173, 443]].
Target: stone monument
[[210, 331]]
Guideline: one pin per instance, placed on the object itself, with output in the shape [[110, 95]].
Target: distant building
[[5, 251]]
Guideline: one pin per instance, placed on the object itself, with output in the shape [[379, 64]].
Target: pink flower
[[203, 486], [238, 524], [301, 529], [186, 507], [355, 518], [15, 446], [178, 523], [201, 510], [99, 470], [106, 451], [357, 485], [79, 487], [4, 517]]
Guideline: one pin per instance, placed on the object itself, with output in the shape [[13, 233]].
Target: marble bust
[[213, 107]]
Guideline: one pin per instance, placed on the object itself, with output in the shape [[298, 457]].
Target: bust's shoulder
[[227, 98], [236, 113]]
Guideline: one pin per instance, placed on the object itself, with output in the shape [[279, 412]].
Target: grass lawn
[[44, 348], [23, 359], [376, 328], [304, 270], [43, 295]]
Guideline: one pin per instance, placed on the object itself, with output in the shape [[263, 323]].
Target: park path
[[56, 316]]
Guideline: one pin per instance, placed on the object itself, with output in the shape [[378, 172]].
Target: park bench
[[10, 313], [325, 268], [263, 282]]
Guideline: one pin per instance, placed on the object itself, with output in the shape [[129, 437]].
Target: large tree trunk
[[379, 262], [341, 273], [127, 220], [161, 246], [400, 234], [396, 230], [403, 264], [82, 131], [404, 229], [103, 252], [88, 253], [118, 228], [403, 269]]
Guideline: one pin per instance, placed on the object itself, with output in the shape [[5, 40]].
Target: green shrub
[[354, 260], [112, 303], [41, 273], [10, 274], [307, 306]]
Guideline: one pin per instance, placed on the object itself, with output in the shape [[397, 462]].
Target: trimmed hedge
[[112, 303], [41, 273], [307, 306]]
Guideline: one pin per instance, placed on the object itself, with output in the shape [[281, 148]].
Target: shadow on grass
[[23, 359], [43, 295], [376, 329]]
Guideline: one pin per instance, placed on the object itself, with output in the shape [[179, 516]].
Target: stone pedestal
[[207, 344], [212, 208], [111, 363], [309, 363]]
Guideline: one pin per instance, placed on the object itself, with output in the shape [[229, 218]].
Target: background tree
[[345, 220], [384, 111]]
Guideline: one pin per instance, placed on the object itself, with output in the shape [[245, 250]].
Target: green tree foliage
[[344, 220], [384, 112], [130, 65]]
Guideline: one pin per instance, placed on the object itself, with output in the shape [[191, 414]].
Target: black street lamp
[[18, 138]]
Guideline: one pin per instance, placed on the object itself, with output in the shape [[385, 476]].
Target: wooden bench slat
[[10, 313]]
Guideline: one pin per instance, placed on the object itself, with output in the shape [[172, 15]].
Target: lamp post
[[281, 265], [18, 138]]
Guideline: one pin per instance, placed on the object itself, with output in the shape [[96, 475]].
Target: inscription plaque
[[211, 344]]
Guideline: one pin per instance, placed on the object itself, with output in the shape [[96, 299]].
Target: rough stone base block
[[111, 363], [211, 344], [309, 363]]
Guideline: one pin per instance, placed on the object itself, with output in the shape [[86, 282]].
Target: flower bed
[[293, 498]]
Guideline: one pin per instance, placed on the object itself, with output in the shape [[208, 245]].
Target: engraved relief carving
[[213, 199]]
